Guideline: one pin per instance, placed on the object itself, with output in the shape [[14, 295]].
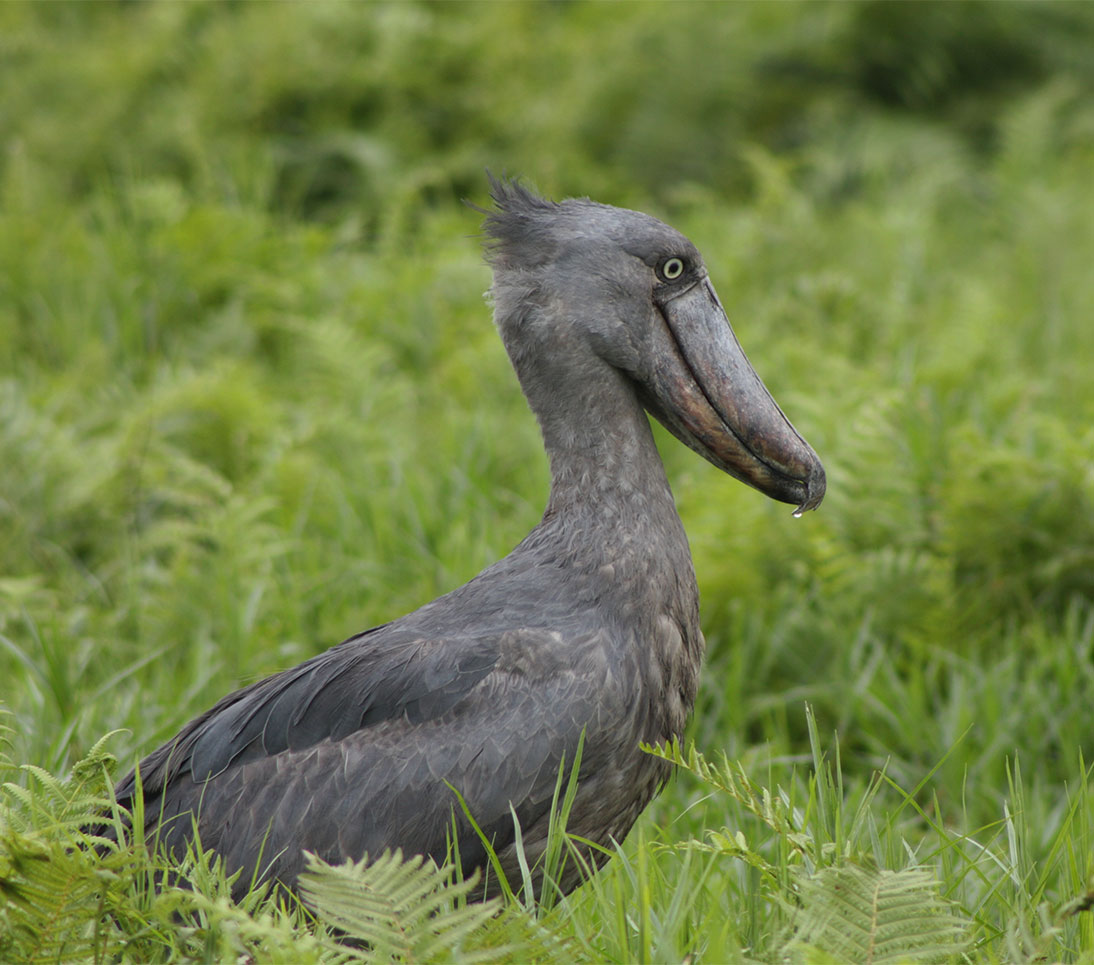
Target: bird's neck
[[613, 537], [608, 484], [599, 442]]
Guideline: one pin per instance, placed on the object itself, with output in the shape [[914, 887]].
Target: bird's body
[[588, 630]]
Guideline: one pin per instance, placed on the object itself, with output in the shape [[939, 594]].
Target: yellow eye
[[672, 268]]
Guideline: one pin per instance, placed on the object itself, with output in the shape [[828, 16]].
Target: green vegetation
[[251, 402]]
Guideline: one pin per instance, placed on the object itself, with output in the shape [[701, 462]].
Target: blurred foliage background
[[251, 401]]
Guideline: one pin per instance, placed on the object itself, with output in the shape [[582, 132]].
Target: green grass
[[251, 402]]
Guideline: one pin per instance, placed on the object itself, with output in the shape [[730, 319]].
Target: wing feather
[[360, 748], [374, 677]]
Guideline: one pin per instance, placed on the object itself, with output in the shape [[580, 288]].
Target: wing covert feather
[[382, 674], [391, 784]]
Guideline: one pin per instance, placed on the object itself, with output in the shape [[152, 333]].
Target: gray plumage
[[590, 625]]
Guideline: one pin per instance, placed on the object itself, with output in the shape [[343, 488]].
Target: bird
[[586, 636]]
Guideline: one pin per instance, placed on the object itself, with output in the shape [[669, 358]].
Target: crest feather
[[518, 229]]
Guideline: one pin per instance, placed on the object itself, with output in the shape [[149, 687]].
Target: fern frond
[[731, 844], [875, 916], [773, 808], [413, 911], [55, 891], [403, 910], [50, 897]]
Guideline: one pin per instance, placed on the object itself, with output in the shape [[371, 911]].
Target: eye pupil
[[672, 269]]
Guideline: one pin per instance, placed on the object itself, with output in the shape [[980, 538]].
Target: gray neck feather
[[608, 484]]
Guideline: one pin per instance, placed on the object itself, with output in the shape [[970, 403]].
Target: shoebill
[[587, 631]]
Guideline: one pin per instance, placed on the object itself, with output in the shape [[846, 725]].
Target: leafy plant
[[250, 402], [851, 914], [412, 911]]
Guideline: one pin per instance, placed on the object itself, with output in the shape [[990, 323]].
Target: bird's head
[[636, 293]]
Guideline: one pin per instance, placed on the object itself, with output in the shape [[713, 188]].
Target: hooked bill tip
[[815, 487]]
